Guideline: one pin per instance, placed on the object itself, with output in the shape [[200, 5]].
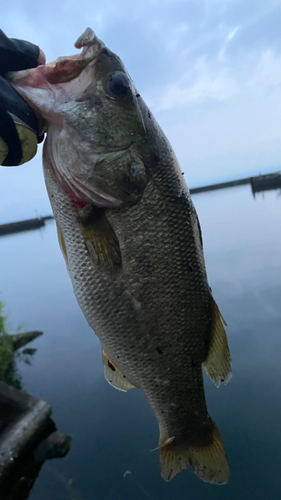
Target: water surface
[[114, 432]]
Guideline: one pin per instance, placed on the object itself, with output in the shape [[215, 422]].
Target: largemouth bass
[[132, 243]]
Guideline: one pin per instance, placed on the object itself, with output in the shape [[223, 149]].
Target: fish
[[132, 243]]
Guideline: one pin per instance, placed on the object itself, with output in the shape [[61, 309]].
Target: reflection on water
[[114, 432], [12, 375]]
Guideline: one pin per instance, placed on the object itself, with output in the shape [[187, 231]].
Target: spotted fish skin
[[133, 246]]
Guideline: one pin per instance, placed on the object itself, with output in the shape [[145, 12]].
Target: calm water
[[114, 432]]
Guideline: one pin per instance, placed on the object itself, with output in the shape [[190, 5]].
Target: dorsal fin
[[218, 362], [113, 374]]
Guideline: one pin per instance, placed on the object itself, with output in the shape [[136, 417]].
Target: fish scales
[[169, 309], [132, 242]]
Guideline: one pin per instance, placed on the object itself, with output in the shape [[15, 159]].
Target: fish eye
[[118, 85]]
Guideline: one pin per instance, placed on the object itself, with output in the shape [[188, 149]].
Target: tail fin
[[210, 463]]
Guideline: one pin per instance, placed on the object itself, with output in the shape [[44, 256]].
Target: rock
[[22, 419], [56, 445]]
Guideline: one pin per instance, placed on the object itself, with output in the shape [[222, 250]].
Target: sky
[[210, 70]]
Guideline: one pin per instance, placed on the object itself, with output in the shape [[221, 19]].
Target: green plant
[[12, 351], [6, 345]]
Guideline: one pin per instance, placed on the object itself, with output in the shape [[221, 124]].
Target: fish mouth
[[63, 69], [48, 86], [87, 40], [66, 69]]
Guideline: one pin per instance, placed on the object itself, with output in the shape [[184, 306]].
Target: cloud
[[228, 39], [227, 121], [176, 37], [232, 34], [203, 84], [211, 81], [266, 76]]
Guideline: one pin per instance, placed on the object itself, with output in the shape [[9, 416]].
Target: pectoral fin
[[218, 362], [113, 374], [100, 239]]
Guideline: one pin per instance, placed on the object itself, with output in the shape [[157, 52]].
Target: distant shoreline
[[258, 183], [23, 225]]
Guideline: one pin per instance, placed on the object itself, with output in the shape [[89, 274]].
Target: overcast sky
[[210, 70]]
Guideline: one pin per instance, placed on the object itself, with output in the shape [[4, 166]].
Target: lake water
[[114, 432]]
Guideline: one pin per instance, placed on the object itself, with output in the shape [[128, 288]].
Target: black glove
[[19, 132]]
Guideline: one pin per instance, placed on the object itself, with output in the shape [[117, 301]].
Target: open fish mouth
[[48, 89], [64, 68], [49, 86]]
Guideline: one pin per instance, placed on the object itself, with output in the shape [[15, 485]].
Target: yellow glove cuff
[[28, 141]]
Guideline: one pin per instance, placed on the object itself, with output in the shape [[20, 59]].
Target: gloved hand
[[19, 130]]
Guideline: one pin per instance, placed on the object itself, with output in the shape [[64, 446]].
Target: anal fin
[[113, 374], [218, 362]]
